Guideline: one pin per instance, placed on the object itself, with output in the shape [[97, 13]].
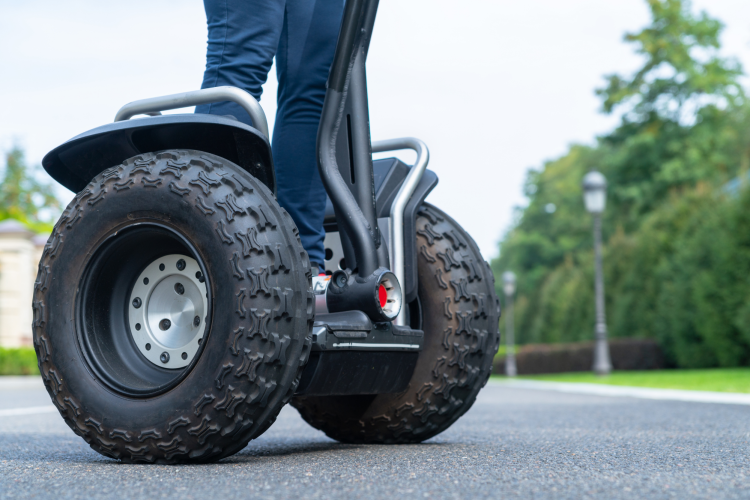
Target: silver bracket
[[154, 105], [399, 203]]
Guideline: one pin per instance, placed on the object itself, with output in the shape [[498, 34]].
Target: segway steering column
[[353, 201]]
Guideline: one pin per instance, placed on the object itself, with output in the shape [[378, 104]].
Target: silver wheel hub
[[167, 311]]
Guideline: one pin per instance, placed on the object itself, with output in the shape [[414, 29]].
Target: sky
[[494, 87]]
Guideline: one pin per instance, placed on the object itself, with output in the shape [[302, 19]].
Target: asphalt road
[[514, 443]]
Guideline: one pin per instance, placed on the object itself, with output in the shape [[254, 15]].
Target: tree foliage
[[25, 198], [676, 256], [682, 66]]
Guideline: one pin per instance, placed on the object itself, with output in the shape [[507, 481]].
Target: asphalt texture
[[514, 443]]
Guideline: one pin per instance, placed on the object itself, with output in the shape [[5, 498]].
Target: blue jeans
[[243, 38]]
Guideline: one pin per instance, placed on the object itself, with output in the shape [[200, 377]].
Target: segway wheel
[[458, 310], [172, 309]]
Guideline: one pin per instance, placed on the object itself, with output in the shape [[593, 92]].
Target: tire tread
[[224, 419]]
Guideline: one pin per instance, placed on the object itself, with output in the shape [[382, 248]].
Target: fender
[[388, 175], [74, 163]]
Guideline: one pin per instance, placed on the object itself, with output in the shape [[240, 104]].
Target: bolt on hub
[[167, 303]]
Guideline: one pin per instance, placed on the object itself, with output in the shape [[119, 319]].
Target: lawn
[[714, 379]]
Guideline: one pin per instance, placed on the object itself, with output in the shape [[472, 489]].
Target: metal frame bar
[[358, 225], [153, 105], [399, 203]]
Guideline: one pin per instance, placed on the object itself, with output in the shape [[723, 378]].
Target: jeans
[[243, 38]]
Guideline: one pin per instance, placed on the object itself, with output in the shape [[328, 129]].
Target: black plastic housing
[[346, 324], [74, 163], [340, 373]]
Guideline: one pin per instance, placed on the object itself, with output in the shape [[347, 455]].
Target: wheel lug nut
[[164, 358], [184, 355], [137, 302], [181, 264], [165, 324], [179, 288], [197, 321], [161, 267]]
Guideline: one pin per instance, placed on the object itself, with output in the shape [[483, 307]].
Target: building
[[20, 252]]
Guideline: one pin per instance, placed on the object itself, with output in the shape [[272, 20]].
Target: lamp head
[[594, 192], [509, 283]]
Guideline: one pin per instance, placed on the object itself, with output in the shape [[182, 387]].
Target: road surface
[[514, 443]]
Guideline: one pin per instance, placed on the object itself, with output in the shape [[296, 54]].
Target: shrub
[[625, 354], [18, 361]]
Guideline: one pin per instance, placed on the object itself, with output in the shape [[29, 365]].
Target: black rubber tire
[[247, 368], [460, 314]]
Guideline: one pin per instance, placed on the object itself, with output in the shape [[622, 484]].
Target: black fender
[[389, 174], [74, 163]]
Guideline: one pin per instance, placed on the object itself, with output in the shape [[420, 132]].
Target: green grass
[[714, 379], [18, 361]]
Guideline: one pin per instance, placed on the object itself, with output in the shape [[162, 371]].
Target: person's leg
[[303, 60], [242, 40]]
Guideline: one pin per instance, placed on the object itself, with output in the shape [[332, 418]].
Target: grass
[[18, 361], [713, 379]]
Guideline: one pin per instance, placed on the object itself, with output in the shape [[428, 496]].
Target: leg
[[242, 41], [304, 57]]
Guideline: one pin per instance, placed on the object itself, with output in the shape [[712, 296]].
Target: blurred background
[[516, 100]]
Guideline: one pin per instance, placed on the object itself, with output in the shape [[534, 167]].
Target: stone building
[[20, 252]]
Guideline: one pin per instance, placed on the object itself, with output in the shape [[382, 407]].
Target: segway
[[176, 311]]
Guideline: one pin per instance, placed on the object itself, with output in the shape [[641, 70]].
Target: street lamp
[[595, 198], [509, 287]]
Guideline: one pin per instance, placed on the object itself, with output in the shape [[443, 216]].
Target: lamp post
[[595, 199], [509, 287]]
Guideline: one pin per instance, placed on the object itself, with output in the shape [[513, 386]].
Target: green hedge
[[503, 349], [625, 354], [18, 361]]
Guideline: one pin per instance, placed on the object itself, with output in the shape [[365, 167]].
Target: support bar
[[399, 203], [204, 96]]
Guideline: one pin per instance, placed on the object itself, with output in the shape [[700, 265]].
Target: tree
[[676, 260], [25, 198], [682, 67], [679, 111]]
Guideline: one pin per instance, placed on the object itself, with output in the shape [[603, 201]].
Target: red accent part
[[382, 295]]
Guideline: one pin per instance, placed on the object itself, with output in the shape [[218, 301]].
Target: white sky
[[492, 87]]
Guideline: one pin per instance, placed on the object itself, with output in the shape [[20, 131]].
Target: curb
[[630, 392]]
